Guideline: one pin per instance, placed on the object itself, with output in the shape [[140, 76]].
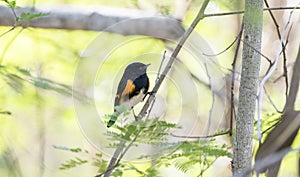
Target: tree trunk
[[242, 152]]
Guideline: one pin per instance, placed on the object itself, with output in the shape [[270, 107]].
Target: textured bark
[[98, 18], [242, 152]]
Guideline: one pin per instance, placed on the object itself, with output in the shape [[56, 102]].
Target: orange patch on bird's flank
[[129, 88]]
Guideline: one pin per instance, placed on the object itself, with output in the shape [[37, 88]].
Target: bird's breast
[[133, 100]]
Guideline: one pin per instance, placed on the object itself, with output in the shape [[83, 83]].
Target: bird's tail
[[113, 119]]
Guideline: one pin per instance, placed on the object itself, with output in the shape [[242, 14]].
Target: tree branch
[[283, 48], [232, 105], [97, 18], [185, 36], [242, 11], [199, 137], [284, 133], [267, 76]]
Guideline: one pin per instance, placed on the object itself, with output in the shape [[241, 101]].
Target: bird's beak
[[147, 65]]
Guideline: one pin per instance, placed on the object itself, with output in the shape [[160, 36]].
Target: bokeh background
[[44, 120]]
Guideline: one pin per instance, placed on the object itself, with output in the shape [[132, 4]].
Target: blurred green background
[[43, 116]]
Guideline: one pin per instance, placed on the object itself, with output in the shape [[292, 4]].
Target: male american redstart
[[132, 89]]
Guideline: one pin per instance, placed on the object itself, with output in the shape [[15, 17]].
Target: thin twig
[[15, 24], [196, 137], [210, 114], [10, 29], [271, 101], [232, 107], [8, 45], [160, 66], [288, 36], [285, 75], [213, 99], [272, 126], [253, 48], [267, 76], [242, 11], [227, 48]]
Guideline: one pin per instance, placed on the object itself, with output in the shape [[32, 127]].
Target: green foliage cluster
[[16, 77], [148, 131], [25, 17], [10, 4], [96, 161], [201, 152], [182, 154]]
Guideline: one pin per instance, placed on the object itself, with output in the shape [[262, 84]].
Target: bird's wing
[[125, 88]]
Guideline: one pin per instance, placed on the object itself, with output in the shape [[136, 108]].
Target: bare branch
[[9, 43], [283, 46], [271, 101], [185, 36], [232, 107], [160, 66], [285, 131], [242, 11], [199, 137], [227, 48], [97, 18], [267, 76], [253, 48]]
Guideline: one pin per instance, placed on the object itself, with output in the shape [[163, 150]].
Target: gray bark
[[242, 151], [98, 18]]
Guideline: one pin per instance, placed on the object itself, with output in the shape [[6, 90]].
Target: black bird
[[132, 89]]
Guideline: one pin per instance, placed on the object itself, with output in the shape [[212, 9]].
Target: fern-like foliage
[[24, 17], [186, 154], [96, 159], [182, 154], [147, 131], [72, 163], [16, 78]]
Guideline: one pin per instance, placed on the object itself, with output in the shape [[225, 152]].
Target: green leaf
[[188, 153], [23, 71], [15, 82], [100, 163], [10, 4], [26, 17], [72, 163]]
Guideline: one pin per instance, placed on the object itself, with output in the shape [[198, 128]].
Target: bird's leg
[[149, 93], [135, 116]]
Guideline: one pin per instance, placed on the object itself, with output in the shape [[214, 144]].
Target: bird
[[132, 89]]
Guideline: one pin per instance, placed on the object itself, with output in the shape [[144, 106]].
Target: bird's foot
[[149, 93]]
